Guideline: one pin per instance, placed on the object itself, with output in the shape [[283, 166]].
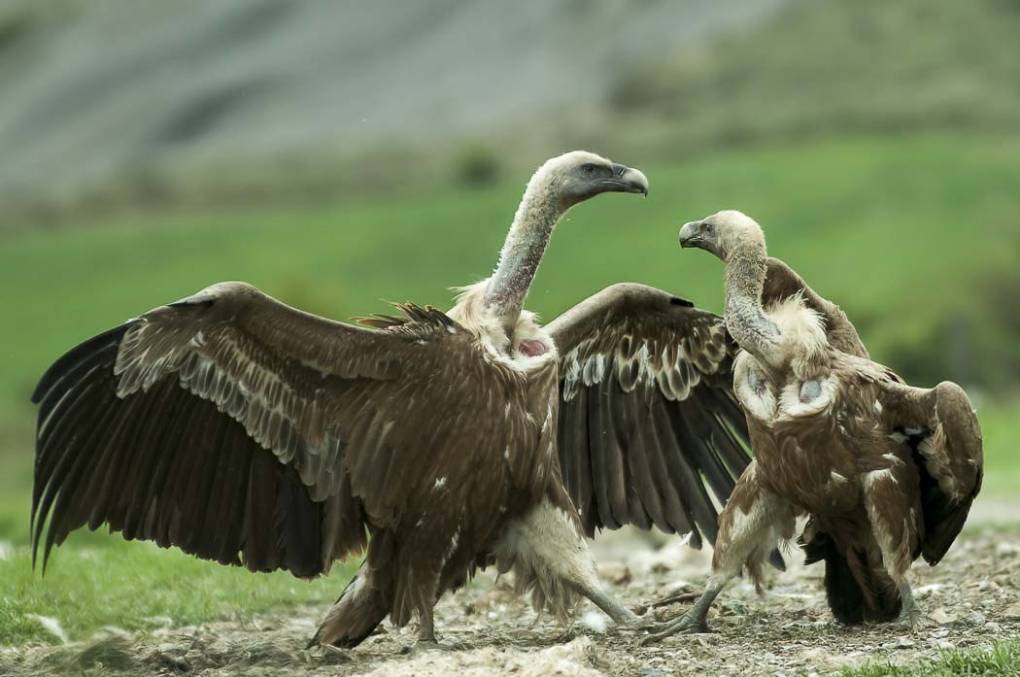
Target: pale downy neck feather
[[789, 333], [537, 214], [472, 312], [804, 344]]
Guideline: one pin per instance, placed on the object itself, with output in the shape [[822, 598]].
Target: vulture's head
[[722, 233], [579, 175]]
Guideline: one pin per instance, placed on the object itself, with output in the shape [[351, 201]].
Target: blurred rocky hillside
[[110, 99]]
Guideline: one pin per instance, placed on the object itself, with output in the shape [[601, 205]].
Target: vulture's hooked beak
[[628, 180], [690, 234]]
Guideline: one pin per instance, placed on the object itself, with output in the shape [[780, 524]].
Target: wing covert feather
[[661, 418]]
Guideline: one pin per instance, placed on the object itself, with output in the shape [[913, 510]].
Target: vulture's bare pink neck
[[522, 252]]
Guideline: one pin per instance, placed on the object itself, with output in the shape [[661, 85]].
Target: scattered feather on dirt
[[52, 626]]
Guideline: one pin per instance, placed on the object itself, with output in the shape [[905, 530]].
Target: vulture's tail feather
[[360, 608], [855, 594]]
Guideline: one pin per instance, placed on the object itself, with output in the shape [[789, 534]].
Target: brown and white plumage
[[886, 472], [168, 420], [648, 414], [247, 432]]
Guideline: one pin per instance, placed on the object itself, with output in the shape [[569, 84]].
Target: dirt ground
[[971, 599]]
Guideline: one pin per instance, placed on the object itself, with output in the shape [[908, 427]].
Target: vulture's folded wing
[[942, 429], [782, 281], [648, 420], [240, 429]]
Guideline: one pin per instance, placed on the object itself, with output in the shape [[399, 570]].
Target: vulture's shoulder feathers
[[782, 282]]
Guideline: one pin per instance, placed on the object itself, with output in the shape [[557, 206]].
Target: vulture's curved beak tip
[[630, 180], [637, 180]]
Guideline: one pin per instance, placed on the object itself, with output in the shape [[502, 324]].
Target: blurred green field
[[918, 238]]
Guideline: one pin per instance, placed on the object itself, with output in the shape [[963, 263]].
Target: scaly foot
[[910, 615], [433, 645], [685, 624], [912, 619]]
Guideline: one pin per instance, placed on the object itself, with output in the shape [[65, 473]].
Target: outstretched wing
[[245, 431], [942, 429], [648, 421]]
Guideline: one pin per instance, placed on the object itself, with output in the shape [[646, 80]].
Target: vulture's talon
[[433, 645], [912, 620], [686, 624], [567, 635], [646, 623]]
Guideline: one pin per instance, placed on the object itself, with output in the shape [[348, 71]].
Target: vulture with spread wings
[[885, 472], [249, 433]]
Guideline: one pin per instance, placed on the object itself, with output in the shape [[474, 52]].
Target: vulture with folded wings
[[885, 472], [250, 433]]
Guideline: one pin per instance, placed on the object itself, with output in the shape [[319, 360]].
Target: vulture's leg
[[695, 620], [559, 541], [355, 615], [892, 514], [750, 527], [427, 627], [910, 614], [427, 635], [591, 588], [550, 556]]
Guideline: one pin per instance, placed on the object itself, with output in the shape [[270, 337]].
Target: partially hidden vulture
[[250, 433], [885, 472]]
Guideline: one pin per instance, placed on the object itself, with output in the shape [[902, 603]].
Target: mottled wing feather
[[942, 429], [650, 432], [247, 432]]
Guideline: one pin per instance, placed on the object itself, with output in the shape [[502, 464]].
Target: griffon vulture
[[885, 472], [250, 433]]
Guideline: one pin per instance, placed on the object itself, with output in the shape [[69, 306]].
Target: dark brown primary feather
[[247, 432], [166, 466], [650, 433]]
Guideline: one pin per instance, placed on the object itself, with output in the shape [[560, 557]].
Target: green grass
[[1002, 658], [904, 233], [138, 585], [901, 232]]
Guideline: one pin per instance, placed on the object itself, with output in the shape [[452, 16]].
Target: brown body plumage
[[886, 472], [247, 432]]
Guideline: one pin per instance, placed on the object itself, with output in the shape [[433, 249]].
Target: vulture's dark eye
[[589, 169], [708, 228]]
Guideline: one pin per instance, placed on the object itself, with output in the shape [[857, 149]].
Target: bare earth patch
[[972, 599]]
